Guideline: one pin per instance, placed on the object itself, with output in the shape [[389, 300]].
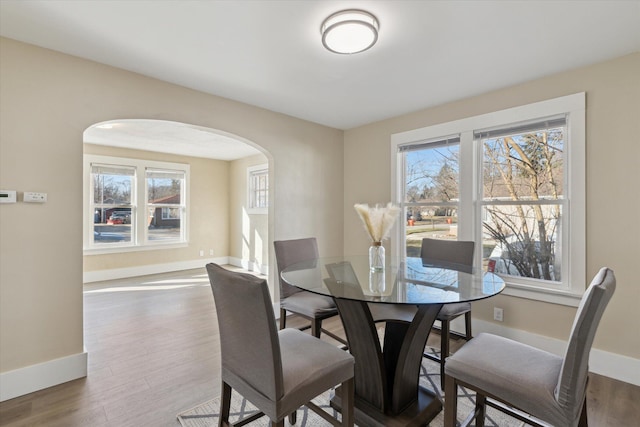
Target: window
[[431, 179], [112, 203], [165, 205], [522, 198], [258, 189], [512, 181], [134, 204]]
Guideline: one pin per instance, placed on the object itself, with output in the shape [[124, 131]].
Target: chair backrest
[[248, 334], [572, 381], [456, 254], [290, 252]]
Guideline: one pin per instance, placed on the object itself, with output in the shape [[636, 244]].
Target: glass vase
[[376, 257], [377, 285]]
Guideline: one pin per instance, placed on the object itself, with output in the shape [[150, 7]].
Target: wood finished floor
[[153, 352]]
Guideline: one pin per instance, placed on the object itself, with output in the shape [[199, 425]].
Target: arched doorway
[[218, 220]]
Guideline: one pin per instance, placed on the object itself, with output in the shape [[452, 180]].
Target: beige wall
[[613, 178], [47, 100], [208, 214], [249, 233]]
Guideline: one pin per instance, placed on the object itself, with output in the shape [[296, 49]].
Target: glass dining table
[[407, 295]]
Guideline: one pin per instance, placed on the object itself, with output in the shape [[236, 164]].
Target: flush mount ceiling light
[[349, 31]]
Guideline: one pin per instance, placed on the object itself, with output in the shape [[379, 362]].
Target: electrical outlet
[[498, 314], [210, 252], [201, 252]]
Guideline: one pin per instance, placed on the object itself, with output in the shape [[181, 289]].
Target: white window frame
[[139, 239], [251, 191], [573, 283]]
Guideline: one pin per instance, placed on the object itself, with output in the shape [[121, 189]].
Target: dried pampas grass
[[377, 220]]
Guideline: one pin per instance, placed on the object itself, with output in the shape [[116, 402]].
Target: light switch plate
[[31, 197]]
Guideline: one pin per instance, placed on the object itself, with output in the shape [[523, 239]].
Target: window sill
[[561, 297]]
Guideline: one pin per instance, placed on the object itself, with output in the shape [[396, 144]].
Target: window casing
[[549, 216], [258, 189], [134, 204]]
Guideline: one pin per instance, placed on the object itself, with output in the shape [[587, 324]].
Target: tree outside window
[[512, 181], [523, 175], [112, 203], [133, 203], [432, 182], [165, 205]]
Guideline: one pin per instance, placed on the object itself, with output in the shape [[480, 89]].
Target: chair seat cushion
[[451, 311], [309, 304], [310, 366], [524, 376]]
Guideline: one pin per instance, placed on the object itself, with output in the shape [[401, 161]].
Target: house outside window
[[134, 204], [165, 205], [258, 189], [513, 182], [523, 198]]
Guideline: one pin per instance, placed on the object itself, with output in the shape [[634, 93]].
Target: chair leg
[[444, 348], [225, 405], [481, 409], [583, 415], [277, 423], [293, 417], [467, 325], [283, 318], [450, 402], [316, 327], [348, 389]]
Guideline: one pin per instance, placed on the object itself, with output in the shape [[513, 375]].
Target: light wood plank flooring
[[153, 352]]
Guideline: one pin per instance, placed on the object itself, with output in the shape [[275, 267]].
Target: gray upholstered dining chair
[[310, 306], [277, 371], [456, 254], [546, 386]]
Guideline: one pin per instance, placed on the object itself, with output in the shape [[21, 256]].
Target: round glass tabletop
[[402, 281]]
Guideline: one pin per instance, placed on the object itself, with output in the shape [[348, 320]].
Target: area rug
[[206, 414]]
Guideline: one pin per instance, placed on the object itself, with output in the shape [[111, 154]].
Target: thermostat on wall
[[7, 196]]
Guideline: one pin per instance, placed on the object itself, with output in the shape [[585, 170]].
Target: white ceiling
[[269, 53], [168, 137]]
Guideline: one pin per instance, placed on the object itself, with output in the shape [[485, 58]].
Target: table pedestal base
[[419, 413]]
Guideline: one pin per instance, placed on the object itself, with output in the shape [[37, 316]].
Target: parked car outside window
[[120, 217]]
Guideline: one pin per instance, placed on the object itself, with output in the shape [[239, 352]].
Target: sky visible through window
[[431, 169]]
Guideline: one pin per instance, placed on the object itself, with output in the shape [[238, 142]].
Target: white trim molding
[[42, 375], [612, 365], [143, 270]]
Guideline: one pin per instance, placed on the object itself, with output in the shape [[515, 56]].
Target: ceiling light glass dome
[[349, 31]]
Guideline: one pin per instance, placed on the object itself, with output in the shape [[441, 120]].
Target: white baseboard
[[143, 270], [612, 365], [43, 375]]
